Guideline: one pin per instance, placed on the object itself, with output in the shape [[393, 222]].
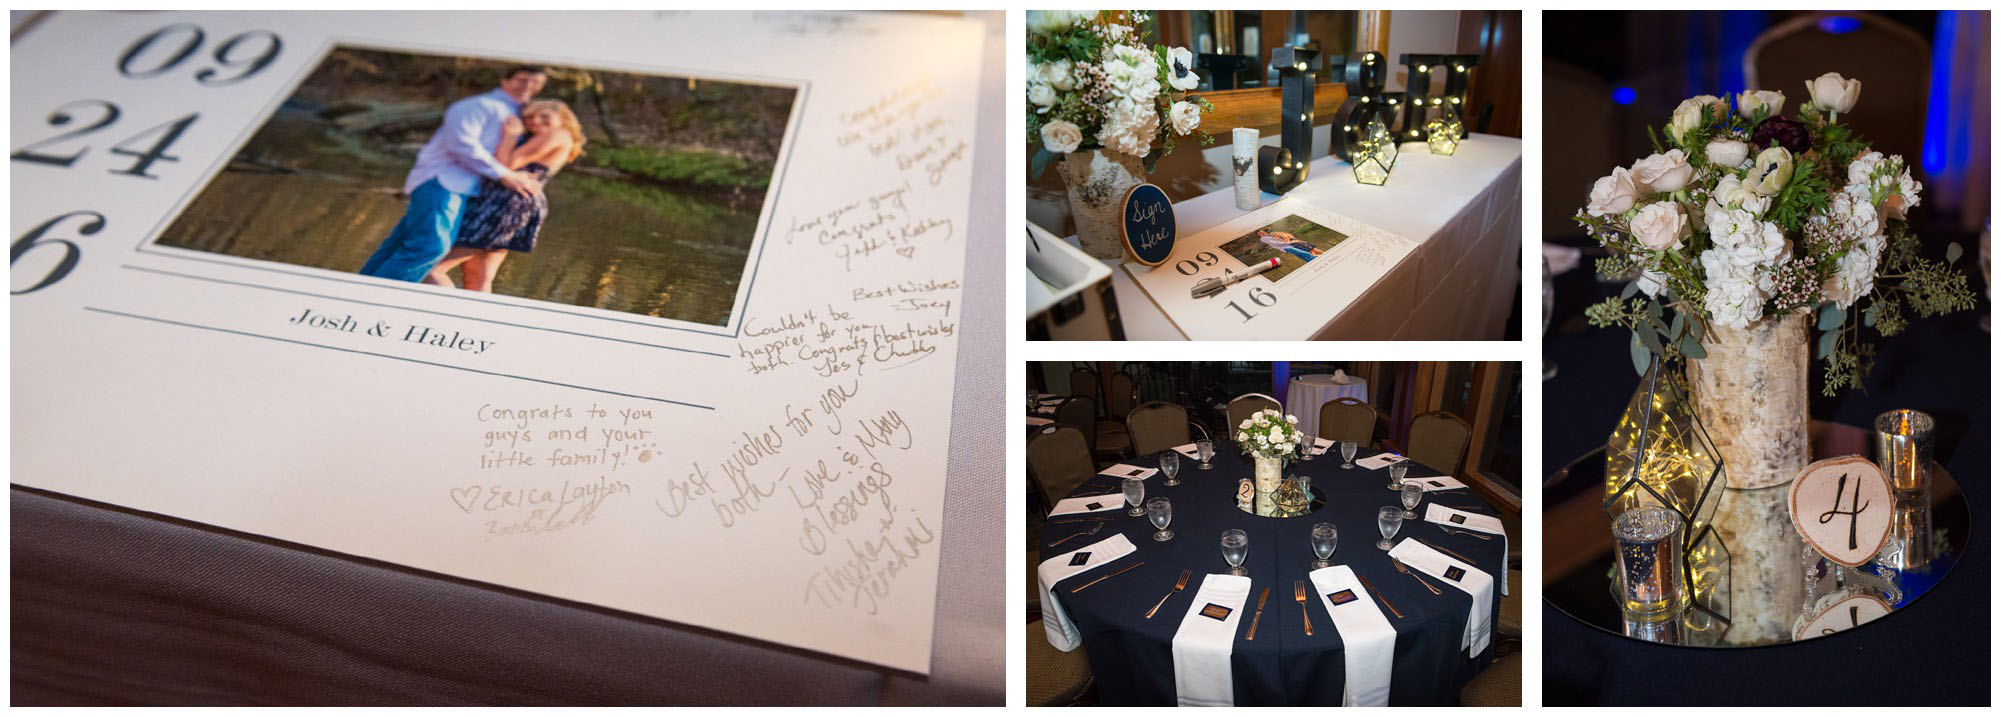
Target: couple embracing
[[476, 189]]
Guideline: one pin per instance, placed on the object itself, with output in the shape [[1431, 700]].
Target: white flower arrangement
[[1269, 434], [1745, 215], [1093, 82]]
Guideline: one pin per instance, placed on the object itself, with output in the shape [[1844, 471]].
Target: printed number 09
[[1188, 268], [132, 62], [71, 252]]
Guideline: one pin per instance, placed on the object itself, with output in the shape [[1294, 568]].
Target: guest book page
[[271, 272], [1325, 261]]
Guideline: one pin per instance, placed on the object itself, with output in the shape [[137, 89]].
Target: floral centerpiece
[[1106, 106], [1745, 232], [1270, 438]]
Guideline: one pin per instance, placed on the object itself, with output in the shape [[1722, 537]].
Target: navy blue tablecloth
[[1132, 657]]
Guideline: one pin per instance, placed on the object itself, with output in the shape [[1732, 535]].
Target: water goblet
[[1348, 454], [1388, 520], [1161, 513], [1412, 494], [1397, 471], [1170, 465], [1305, 446], [1236, 545], [1135, 492], [1324, 536], [1206, 449]]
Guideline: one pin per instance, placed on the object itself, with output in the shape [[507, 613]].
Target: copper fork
[[1299, 596], [1178, 585], [1420, 578]]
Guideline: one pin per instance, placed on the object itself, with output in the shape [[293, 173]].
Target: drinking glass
[[1135, 492], [1348, 454], [1206, 449], [1324, 536], [1236, 545], [1305, 446], [1412, 494], [1397, 471], [1388, 520], [1170, 464], [1161, 513]]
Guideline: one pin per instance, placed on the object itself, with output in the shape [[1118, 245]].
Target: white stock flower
[[1770, 171], [1129, 128], [1660, 225], [1185, 116], [1732, 299], [1060, 137], [1663, 172], [1116, 33], [1770, 102], [1745, 242], [1728, 153], [1732, 193], [1133, 74], [1834, 93], [1181, 69], [1613, 195]]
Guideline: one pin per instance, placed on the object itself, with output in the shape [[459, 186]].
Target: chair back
[[1244, 406], [1347, 419], [1892, 61], [1121, 395], [1081, 413], [1059, 460], [1157, 426], [1438, 440], [1084, 382]]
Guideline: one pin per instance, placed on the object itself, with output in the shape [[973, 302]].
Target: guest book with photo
[[1324, 262], [651, 311]]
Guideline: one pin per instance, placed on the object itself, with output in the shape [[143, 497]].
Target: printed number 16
[[1259, 296]]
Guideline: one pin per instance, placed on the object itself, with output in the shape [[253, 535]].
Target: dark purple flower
[[1790, 134]]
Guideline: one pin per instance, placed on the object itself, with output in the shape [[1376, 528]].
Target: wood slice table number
[[1147, 224], [1845, 614], [1843, 508]]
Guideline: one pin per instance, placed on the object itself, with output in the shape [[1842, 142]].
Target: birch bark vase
[[1750, 394], [1097, 180], [1268, 471]]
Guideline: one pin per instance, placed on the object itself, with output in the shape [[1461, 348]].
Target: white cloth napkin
[[1055, 623], [1368, 640], [1203, 643], [1083, 503], [1341, 377], [1320, 446], [1463, 520], [1123, 471], [1188, 450], [1480, 585], [1040, 421], [1432, 483], [1379, 460]]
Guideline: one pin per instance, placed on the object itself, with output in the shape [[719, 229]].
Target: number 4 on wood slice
[[1843, 508]]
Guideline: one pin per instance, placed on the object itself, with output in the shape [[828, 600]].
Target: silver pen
[[1213, 286]]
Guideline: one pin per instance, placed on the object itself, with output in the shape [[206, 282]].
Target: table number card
[[710, 383], [1842, 507], [1847, 613], [1326, 262]]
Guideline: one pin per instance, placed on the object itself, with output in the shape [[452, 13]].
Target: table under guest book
[[1432, 255], [690, 447]]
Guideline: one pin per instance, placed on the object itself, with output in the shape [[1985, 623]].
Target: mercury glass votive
[[1904, 448], [1648, 543]]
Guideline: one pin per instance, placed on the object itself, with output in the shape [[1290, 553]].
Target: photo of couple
[[444, 171], [1294, 240]]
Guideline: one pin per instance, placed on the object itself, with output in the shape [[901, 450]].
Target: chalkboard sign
[[1842, 507], [1147, 224]]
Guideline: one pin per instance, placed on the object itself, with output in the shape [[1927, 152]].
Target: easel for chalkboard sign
[[1146, 224]]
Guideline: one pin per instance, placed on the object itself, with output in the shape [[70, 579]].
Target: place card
[[1342, 597], [1843, 508], [1216, 612]]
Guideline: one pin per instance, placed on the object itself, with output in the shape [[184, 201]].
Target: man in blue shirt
[[448, 172]]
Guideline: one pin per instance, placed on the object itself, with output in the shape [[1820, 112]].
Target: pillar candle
[[1244, 158]]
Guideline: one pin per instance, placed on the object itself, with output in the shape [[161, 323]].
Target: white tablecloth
[[1465, 212], [1305, 394]]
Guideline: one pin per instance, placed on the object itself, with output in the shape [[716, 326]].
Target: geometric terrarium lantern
[[1442, 134], [1663, 480], [1377, 153], [1385, 142]]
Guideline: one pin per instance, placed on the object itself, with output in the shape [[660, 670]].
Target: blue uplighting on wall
[[1624, 95], [1839, 24], [1740, 29], [1938, 104]]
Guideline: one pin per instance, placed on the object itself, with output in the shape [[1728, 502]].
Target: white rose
[[1652, 282], [1613, 195], [1761, 103], [1770, 171], [1057, 74], [1660, 225], [1686, 118], [1060, 137], [1727, 153], [1041, 95], [1833, 93], [1048, 21], [1181, 69], [1663, 173], [1289, 418], [1185, 116]]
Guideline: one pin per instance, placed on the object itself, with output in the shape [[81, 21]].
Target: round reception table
[[1305, 394], [1132, 656]]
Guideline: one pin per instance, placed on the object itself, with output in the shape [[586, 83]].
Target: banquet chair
[[1438, 440], [1243, 406], [1157, 426], [1892, 61], [1347, 419], [1059, 460], [1081, 413], [1121, 394], [1084, 382], [1500, 685], [1113, 435], [1056, 678]]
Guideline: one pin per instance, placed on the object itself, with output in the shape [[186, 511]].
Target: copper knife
[[1379, 597], [1101, 578], [1253, 634], [1468, 561]]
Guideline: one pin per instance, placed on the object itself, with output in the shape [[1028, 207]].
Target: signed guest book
[[656, 312]]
